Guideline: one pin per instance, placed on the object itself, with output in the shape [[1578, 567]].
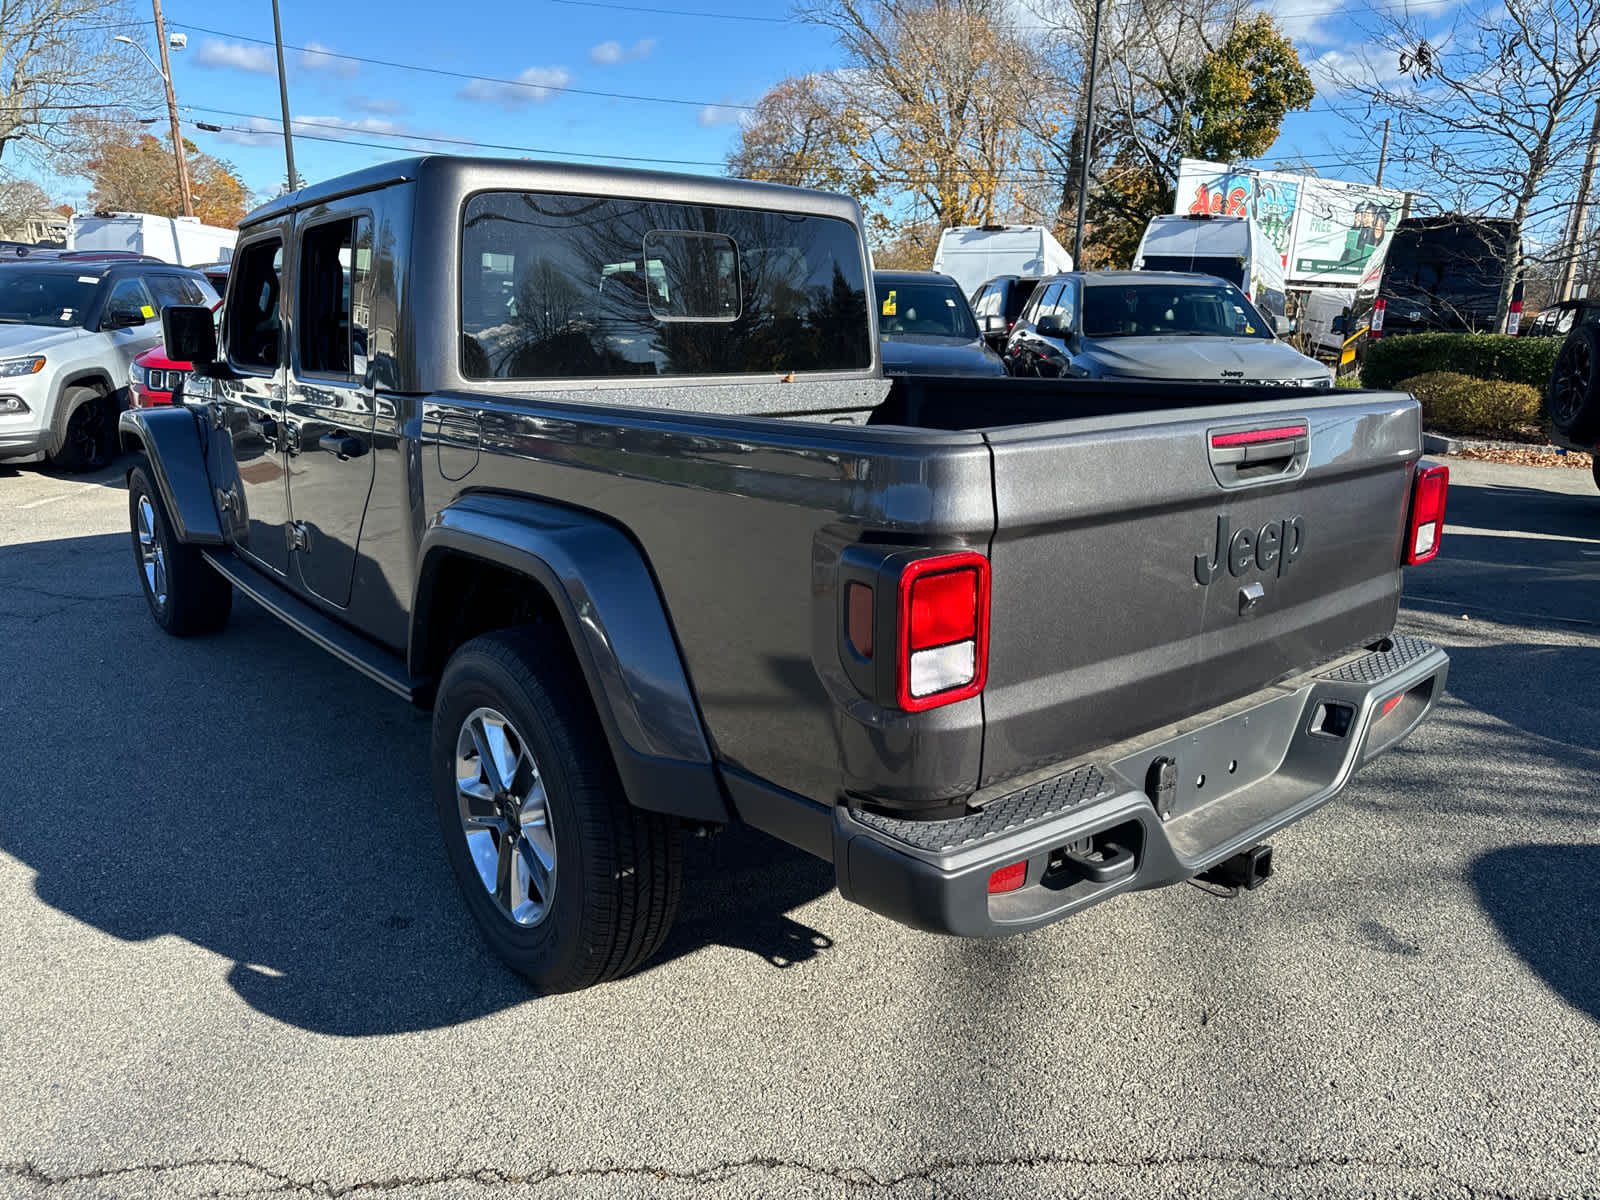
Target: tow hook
[[1248, 869]]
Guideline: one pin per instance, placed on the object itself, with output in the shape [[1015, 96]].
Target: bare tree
[[20, 199], [57, 59], [1491, 116], [938, 88]]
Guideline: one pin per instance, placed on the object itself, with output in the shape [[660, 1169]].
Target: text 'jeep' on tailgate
[[601, 467]]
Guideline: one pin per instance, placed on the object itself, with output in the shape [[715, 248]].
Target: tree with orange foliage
[[132, 171]]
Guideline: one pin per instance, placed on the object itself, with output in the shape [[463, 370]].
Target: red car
[[154, 378]]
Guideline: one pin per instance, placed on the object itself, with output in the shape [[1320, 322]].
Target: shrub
[[1489, 408], [1480, 355]]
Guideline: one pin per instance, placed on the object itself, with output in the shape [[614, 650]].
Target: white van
[[181, 240], [1231, 248], [1322, 318], [974, 254]]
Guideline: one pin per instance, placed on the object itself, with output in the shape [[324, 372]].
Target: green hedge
[[1481, 355], [1487, 408]]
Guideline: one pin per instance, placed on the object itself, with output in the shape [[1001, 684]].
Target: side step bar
[[376, 663]]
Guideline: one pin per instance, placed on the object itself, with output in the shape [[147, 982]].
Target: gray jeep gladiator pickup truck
[[601, 467]]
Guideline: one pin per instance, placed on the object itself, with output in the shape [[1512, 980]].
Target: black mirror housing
[[189, 334], [1050, 326]]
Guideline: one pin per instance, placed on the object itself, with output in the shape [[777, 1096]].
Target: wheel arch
[[97, 378], [172, 442], [489, 561]]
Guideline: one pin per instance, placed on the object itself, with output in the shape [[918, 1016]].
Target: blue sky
[[706, 64]]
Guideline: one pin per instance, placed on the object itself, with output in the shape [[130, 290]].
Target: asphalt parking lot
[[234, 962]]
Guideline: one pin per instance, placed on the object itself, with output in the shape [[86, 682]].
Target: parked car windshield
[[53, 298], [1170, 309], [931, 309]]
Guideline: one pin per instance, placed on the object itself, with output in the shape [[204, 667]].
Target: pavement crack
[[853, 1177]]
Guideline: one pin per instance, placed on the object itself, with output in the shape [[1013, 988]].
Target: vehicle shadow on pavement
[[1544, 900], [1547, 690], [253, 796]]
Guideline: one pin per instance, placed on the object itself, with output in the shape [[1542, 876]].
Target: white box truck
[[1323, 314], [1231, 248], [974, 254], [183, 241]]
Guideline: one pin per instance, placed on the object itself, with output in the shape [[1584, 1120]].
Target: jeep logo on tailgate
[[1275, 544]]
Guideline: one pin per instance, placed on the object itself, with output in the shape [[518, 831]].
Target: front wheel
[[185, 596], [91, 435], [569, 883]]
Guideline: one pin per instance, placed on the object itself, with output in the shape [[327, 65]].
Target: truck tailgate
[[1115, 611]]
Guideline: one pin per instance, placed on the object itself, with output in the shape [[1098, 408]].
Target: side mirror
[[1049, 325], [992, 324], [190, 334], [1281, 324], [120, 320]]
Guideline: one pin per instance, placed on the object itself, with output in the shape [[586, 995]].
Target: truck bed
[[1092, 503]]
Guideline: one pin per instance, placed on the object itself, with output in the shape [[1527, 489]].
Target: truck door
[[331, 402], [249, 405]]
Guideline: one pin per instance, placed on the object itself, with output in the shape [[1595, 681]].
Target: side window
[[331, 317], [986, 302], [1045, 304], [1066, 306], [170, 290], [128, 304], [253, 324]]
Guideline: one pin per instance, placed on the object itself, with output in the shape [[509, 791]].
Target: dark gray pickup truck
[[601, 467]]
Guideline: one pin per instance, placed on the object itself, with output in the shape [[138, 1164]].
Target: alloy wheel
[[152, 554], [505, 815]]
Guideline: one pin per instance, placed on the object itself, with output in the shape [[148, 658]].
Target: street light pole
[[283, 95], [172, 112], [1088, 139], [165, 71]]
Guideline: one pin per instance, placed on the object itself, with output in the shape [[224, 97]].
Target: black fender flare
[[617, 624], [173, 440], [96, 379]]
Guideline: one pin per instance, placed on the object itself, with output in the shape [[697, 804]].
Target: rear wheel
[[1573, 395], [569, 883], [91, 437], [185, 596]]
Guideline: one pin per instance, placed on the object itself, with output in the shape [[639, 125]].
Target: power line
[[517, 83]]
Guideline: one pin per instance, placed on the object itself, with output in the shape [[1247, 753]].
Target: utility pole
[[1088, 139], [1580, 214], [1383, 154], [172, 112], [283, 95]]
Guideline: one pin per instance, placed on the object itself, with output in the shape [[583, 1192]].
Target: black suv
[[1003, 298]]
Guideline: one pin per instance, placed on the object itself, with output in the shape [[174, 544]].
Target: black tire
[[617, 870], [1572, 399], [91, 437], [185, 596]]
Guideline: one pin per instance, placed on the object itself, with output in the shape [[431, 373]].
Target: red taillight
[[1008, 879], [1425, 527], [1375, 329], [944, 630]]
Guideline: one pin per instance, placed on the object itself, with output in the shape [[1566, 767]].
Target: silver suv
[[1152, 325], [70, 329]]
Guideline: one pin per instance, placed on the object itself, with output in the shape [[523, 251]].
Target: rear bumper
[[1091, 830]]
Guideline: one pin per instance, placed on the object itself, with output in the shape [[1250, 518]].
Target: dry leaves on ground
[[1528, 458]]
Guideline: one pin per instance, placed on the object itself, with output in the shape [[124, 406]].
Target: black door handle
[[342, 444]]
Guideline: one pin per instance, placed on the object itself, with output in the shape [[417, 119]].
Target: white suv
[[70, 329]]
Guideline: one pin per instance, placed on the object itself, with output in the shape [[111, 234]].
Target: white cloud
[[371, 104], [259, 131], [713, 115], [533, 86], [608, 54], [236, 56], [317, 57], [1337, 70]]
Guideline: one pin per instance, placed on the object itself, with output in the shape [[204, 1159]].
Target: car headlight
[[10, 367]]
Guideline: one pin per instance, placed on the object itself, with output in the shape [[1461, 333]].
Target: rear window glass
[[1222, 266], [558, 286]]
